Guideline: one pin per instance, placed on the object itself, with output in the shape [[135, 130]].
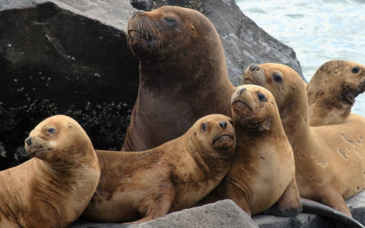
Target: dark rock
[[67, 57]]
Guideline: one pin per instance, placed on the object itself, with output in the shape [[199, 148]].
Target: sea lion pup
[[329, 160], [182, 71], [54, 187], [332, 91], [149, 184], [262, 173]]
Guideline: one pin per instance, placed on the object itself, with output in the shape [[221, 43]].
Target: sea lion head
[[283, 82], [170, 32], [253, 107], [57, 139], [215, 133], [337, 81]]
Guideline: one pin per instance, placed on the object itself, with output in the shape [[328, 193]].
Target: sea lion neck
[[295, 117], [194, 147], [321, 111], [174, 75]]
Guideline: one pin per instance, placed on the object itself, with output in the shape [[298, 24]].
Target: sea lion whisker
[[243, 102]]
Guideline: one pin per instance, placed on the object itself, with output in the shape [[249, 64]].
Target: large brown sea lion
[[149, 184], [183, 75], [54, 187], [332, 91], [262, 173], [329, 160]]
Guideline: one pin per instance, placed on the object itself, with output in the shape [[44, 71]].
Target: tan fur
[[149, 184], [329, 160], [183, 75], [332, 91], [54, 187], [262, 173]]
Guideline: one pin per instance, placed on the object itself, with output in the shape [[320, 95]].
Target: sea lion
[[149, 184], [54, 187], [332, 91], [329, 160], [183, 75], [262, 173]]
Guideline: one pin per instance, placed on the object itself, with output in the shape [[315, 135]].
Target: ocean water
[[317, 30]]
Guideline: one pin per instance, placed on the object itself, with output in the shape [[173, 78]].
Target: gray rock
[[68, 57], [221, 214], [244, 42]]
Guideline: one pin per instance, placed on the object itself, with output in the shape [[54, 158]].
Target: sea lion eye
[[170, 20], [261, 97], [355, 70], [231, 122], [277, 77], [204, 126], [51, 130]]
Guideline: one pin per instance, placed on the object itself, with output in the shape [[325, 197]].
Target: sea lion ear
[[192, 27]]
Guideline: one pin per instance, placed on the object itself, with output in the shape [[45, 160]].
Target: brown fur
[[329, 160], [262, 174], [52, 189], [149, 184], [183, 75], [332, 91]]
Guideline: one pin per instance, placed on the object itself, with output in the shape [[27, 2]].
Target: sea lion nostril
[[242, 90], [223, 124], [29, 141], [254, 67]]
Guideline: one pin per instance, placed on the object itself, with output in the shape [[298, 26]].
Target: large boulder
[[68, 57], [71, 57]]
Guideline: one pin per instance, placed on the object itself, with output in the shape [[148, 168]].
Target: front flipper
[[312, 207], [158, 204], [240, 197], [289, 203]]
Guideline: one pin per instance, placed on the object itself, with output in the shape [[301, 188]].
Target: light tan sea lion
[[54, 187], [149, 184], [332, 91], [183, 75], [329, 160], [262, 174]]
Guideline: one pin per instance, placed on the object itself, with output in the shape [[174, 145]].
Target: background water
[[318, 31]]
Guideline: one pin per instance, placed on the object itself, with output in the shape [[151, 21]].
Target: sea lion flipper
[[335, 200], [289, 203], [159, 204], [239, 196]]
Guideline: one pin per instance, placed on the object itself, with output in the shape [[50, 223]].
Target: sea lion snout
[[254, 67], [223, 124], [242, 90], [36, 146], [28, 141]]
